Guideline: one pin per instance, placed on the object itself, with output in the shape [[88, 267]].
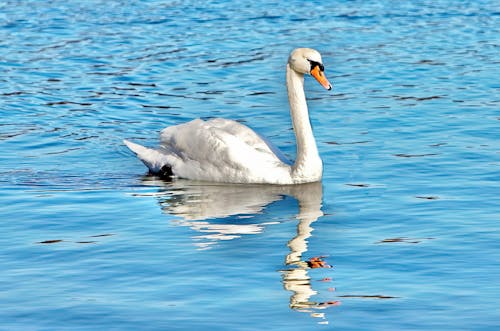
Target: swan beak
[[319, 74]]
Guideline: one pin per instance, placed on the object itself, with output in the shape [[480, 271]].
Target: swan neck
[[308, 165]]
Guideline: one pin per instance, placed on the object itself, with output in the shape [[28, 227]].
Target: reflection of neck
[[308, 163], [309, 211], [297, 279]]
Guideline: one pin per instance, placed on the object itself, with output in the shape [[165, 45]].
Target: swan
[[223, 150]]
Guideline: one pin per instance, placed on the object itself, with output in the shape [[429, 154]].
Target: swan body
[[222, 150]]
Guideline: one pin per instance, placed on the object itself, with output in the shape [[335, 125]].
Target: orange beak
[[317, 73]]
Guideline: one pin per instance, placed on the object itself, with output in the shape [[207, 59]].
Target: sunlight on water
[[401, 234]]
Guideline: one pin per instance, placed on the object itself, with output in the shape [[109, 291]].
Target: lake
[[401, 234]]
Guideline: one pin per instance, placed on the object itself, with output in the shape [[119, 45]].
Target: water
[[406, 215]]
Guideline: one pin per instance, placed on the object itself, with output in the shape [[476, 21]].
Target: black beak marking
[[315, 64]]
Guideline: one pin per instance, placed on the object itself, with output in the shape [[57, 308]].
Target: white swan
[[221, 150]]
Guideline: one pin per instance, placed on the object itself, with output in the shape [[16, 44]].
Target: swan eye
[[315, 64]]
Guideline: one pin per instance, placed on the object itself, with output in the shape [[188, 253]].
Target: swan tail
[[156, 161]]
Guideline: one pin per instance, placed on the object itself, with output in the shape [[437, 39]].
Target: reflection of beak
[[317, 73]]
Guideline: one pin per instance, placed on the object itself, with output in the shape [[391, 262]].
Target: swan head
[[308, 61]]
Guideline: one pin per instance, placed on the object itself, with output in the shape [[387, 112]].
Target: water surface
[[401, 234]]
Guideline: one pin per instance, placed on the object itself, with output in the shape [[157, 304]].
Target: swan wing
[[249, 136], [222, 150]]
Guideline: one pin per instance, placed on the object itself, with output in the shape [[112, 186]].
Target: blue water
[[407, 214]]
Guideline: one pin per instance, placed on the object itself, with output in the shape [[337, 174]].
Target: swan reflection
[[205, 207]]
